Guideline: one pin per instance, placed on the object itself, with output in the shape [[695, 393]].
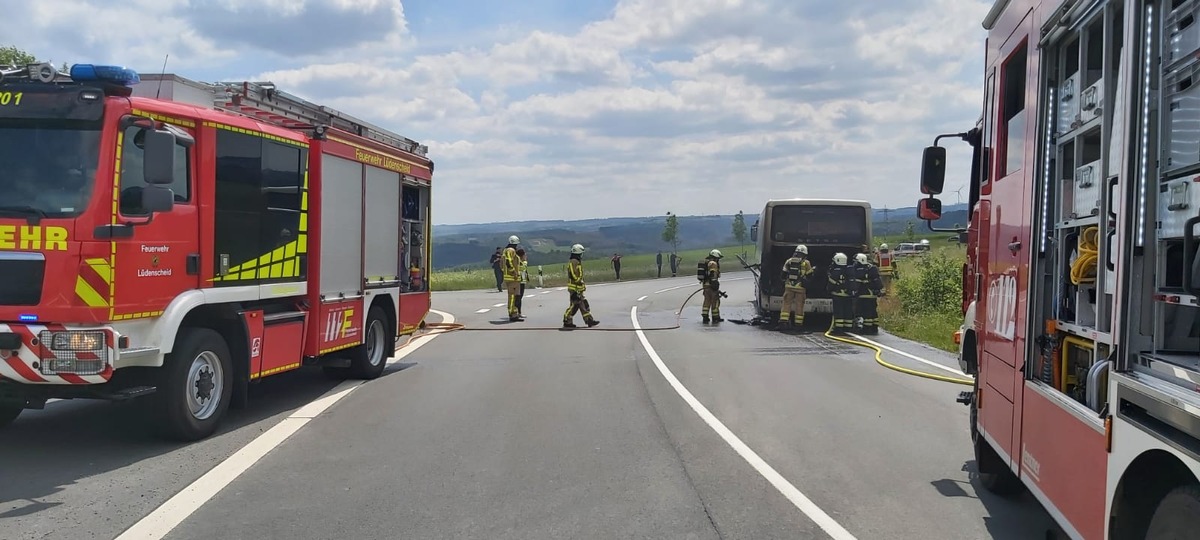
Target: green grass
[[596, 269], [924, 303]]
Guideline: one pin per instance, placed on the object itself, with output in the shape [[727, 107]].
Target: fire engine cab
[[1082, 283], [177, 241]]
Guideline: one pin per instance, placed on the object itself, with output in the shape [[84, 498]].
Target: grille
[[21, 277]]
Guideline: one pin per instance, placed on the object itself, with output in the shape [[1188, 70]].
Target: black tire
[[8, 413], [196, 387], [998, 479], [1177, 516], [368, 360]]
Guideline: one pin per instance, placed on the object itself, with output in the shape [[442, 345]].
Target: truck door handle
[[1014, 247]]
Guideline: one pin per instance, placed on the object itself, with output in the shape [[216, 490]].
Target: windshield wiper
[[24, 210]]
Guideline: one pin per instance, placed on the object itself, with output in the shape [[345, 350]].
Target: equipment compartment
[[1178, 201], [1182, 117], [1183, 34], [1068, 104], [1086, 190]]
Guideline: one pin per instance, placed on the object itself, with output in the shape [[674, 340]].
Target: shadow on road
[[1018, 518], [46, 452]]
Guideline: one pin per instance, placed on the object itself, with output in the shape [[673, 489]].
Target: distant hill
[[470, 245]]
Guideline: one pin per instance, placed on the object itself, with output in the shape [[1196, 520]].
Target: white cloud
[[698, 106]]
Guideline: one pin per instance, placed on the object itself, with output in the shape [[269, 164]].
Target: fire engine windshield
[[819, 224], [47, 167]]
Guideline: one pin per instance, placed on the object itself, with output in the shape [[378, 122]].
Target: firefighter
[[708, 271], [524, 274], [575, 288], [796, 273], [869, 286], [887, 263], [510, 265], [840, 291]]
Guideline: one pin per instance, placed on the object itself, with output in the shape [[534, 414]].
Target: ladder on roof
[[262, 101]]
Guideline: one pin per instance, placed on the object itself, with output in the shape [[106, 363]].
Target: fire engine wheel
[[999, 479], [198, 383], [368, 360], [1177, 516], [8, 413]]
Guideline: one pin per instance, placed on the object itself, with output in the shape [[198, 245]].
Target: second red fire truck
[[1083, 276], [177, 241]]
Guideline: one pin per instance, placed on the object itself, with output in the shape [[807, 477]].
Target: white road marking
[[170, 514], [529, 296], [500, 304], [484, 310], [696, 285], [917, 358], [642, 298], [809, 508], [547, 292]]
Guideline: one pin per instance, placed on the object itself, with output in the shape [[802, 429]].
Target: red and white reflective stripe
[[20, 367]]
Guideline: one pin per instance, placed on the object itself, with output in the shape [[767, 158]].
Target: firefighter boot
[[569, 324], [591, 322]]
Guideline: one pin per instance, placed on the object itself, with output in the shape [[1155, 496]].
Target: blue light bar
[[24, 317], [112, 74]]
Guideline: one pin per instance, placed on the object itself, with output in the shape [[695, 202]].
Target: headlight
[[74, 340]]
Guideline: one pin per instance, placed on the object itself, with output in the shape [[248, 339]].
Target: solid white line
[[170, 514], [484, 310], [917, 358], [788, 490], [642, 298]]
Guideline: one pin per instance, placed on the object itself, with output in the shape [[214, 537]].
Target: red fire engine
[[180, 241], [1082, 324]]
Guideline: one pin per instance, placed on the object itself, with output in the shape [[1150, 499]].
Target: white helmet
[[883, 246], [839, 259], [577, 249], [802, 249], [861, 258], [716, 254], [514, 240]]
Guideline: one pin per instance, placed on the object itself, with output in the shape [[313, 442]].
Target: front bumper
[[53, 354]]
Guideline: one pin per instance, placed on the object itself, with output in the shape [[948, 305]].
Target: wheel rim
[[205, 384], [375, 343]]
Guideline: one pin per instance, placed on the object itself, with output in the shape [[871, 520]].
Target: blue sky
[[587, 108]]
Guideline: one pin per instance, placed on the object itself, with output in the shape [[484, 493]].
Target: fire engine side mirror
[[157, 199], [933, 170], [754, 232], [159, 166], [929, 209]]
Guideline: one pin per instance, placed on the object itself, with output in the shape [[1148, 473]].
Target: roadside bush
[[931, 285]]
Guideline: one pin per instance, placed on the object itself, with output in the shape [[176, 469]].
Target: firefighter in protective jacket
[[796, 273], [575, 288], [870, 287], [510, 266], [841, 291], [709, 274]]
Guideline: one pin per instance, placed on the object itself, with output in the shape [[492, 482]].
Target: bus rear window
[[819, 224]]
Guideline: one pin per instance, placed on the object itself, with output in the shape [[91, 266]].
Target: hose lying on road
[[446, 328], [879, 359]]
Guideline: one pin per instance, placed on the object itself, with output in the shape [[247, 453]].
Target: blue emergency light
[[111, 74], [25, 317]]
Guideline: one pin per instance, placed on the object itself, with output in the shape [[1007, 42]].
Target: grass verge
[[924, 303]]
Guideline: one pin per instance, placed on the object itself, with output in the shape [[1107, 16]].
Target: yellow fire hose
[[879, 359], [445, 328]]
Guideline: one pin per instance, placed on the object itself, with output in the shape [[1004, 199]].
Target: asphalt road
[[495, 433]]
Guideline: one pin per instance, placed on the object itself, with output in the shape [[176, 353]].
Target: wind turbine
[[959, 192]]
